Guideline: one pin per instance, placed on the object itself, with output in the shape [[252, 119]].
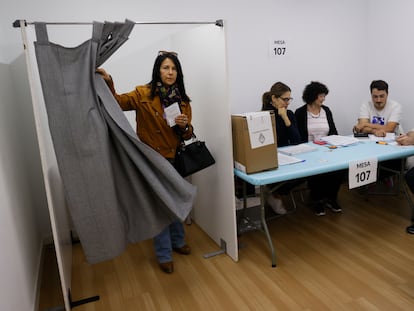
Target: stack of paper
[[338, 140], [284, 159], [388, 137], [296, 149]]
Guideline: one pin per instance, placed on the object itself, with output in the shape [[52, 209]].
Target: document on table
[[284, 159], [388, 137], [296, 149], [339, 140]]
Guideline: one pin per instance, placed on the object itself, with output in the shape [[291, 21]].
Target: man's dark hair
[[380, 85]]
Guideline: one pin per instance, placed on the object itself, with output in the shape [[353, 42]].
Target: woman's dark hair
[[312, 91], [380, 85], [156, 76], [277, 89]]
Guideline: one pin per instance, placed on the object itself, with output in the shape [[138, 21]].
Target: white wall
[[27, 141], [19, 229], [344, 44], [325, 42], [340, 43], [390, 51]]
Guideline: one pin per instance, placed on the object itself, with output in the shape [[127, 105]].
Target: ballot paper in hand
[[260, 129], [171, 112]]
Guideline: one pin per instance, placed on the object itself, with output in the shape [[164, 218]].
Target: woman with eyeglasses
[[278, 100], [315, 120], [161, 131]]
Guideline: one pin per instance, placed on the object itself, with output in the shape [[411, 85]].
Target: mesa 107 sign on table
[[362, 172], [277, 48]]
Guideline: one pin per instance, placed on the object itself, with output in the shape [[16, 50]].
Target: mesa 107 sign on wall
[[277, 48]]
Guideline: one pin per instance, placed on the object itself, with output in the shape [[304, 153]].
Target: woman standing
[[278, 100], [153, 127], [315, 120]]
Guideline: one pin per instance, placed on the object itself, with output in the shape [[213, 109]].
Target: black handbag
[[193, 157]]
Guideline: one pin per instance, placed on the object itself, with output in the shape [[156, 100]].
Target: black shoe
[[333, 206], [319, 209], [410, 229]]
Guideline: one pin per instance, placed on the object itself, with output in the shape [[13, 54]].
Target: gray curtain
[[118, 190]]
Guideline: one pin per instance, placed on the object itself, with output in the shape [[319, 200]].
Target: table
[[322, 160]]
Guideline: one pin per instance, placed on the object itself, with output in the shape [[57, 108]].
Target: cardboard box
[[247, 159]]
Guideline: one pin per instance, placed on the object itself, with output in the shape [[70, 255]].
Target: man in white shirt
[[380, 115], [408, 139]]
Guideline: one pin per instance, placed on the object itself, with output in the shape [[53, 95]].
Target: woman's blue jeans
[[171, 237]]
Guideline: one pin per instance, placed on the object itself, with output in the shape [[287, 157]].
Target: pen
[[382, 143], [301, 161]]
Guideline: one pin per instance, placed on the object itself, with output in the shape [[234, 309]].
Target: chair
[[397, 170], [291, 188]]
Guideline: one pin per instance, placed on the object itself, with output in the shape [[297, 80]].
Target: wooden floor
[[361, 259]]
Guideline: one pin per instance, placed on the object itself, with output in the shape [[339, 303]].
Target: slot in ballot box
[[254, 141]]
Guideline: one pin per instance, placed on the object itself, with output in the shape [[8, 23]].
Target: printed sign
[[277, 48], [362, 172], [260, 129]]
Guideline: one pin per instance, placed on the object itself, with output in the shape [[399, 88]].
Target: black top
[[285, 135], [302, 121]]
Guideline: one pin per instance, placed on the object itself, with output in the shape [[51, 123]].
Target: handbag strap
[[180, 135]]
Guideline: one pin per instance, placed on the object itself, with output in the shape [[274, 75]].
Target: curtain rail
[[219, 23]]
